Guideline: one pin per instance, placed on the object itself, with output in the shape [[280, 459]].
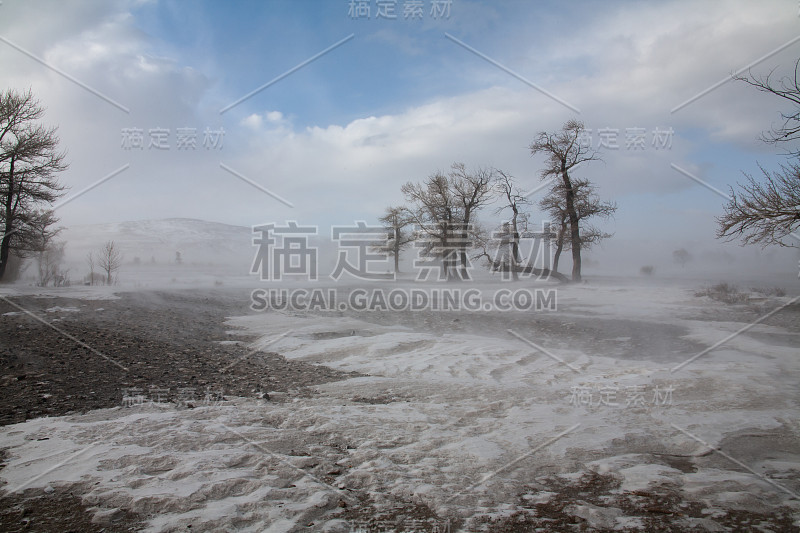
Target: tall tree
[[395, 220], [444, 209], [29, 163], [587, 205], [434, 210], [472, 191], [90, 261], [109, 259], [564, 151], [514, 200]]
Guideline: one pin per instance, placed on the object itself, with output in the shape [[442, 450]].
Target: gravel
[[146, 346]]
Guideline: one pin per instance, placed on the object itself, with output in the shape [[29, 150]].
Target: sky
[[319, 111]]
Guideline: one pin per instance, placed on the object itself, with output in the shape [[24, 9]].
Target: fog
[[211, 252]]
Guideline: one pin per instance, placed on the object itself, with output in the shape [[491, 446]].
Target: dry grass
[[724, 292]]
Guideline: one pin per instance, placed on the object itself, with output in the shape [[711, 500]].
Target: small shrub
[[647, 270], [724, 292], [94, 278], [771, 291]]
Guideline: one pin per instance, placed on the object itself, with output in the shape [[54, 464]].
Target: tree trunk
[[560, 242], [463, 245], [445, 259], [464, 273], [5, 244], [5, 252], [557, 255], [396, 249], [516, 259], [575, 236]]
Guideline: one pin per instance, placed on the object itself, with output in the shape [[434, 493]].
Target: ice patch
[[59, 309]]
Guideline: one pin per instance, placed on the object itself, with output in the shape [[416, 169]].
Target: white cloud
[[626, 66], [253, 121]]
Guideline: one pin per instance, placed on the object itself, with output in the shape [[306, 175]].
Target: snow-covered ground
[[464, 413]]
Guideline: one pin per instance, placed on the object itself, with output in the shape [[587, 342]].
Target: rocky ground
[[146, 346], [64, 355], [172, 350]]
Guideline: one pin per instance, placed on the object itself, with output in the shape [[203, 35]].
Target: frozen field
[[601, 415]]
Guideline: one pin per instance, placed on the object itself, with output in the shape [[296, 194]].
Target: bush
[[647, 270], [724, 292], [94, 278], [48, 263], [772, 291]]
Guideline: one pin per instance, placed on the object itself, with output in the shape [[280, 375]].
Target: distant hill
[[198, 241]]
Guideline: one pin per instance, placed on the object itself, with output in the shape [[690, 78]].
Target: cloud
[[254, 121], [625, 66]]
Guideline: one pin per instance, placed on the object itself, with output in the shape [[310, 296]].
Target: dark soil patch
[[61, 510], [405, 516], [154, 346], [662, 509]]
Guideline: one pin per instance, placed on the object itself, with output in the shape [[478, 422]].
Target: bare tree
[[471, 190], [109, 260], [681, 256], [443, 208], [788, 89], [29, 162], [559, 215], [396, 220], [765, 212], [48, 262], [514, 200], [498, 248], [90, 261], [564, 152], [435, 212], [587, 204], [502, 249]]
